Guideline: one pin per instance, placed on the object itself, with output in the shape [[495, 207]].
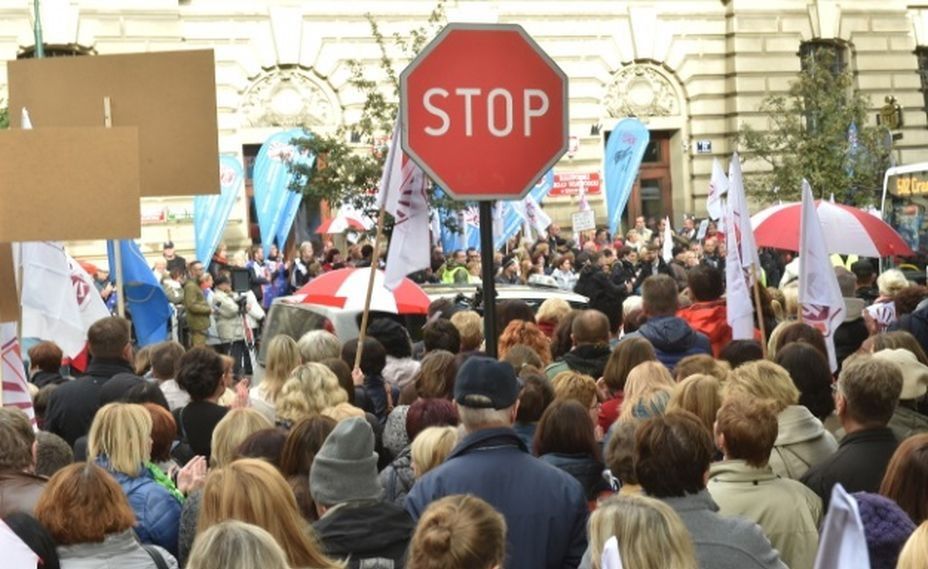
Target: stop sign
[[484, 111]]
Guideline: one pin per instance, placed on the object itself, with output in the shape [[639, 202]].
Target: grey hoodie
[[118, 551], [802, 442]]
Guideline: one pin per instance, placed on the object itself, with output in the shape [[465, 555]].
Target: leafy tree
[[350, 172], [4, 117], [808, 137]]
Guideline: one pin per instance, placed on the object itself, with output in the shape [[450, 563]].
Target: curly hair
[[311, 389], [528, 333], [200, 373]]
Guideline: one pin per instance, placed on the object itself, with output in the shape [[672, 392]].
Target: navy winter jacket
[[673, 339], [545, 508]]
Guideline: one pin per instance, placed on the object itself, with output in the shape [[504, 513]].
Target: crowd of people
[[634, 429]]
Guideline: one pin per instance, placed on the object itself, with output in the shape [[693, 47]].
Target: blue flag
[[145, 299], [512, 221], [624, 151], [211, 212], [276, 205]]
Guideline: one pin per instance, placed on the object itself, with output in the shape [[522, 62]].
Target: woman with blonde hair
[[528, 333], [802, 440], [458, 532], [311, 389], [550, 313], [647, 391], [236, 545], [628, 354], [283, 356], [120, 442], [252, 491], [915, 553], [431, 447], [232, 430], [87, 514], [647, 532], [701, 395]]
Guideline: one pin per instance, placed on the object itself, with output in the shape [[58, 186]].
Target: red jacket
[[710, 318]]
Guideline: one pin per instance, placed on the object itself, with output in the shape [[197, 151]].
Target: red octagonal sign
[[484, 111]]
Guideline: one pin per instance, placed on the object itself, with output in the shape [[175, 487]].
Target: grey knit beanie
[[345, 468]]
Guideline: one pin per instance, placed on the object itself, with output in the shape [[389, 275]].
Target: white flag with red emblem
[[12, 372], [718, 187], [820, 300], [740, 310], [741, 219], [402, 194]]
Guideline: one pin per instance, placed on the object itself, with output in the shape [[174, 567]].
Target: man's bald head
[[590, 327]]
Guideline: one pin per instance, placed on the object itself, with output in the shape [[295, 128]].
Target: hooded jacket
[[787, 511], [802, 442], [711, 319], [673, 339], [117, 551], [545, 508], [588, 359], [366, 534], [398, 478], [852, 332], [906, 422]]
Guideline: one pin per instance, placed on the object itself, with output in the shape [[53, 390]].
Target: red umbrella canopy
[[848, 230], [347, 288]]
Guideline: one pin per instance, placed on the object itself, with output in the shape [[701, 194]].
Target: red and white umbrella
[[848, 230], [347, 288], [341, 224]]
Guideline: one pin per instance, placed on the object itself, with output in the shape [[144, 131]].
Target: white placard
[[583, 220]]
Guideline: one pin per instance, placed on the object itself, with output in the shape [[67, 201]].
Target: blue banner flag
[[624, 151], [275, 203], [211, 212], [511, 220], [145, 299]]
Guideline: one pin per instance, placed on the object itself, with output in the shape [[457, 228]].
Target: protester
[[589, 335], [20, 488], [709, 313], [492, 463], [401, 368], [283, 356], [866, 395], [430, 449], [165, 360], [434, 380], [603, 295], [373, 361], [52, 454], [802, 440], [565, 439], [906, 478], [91, 521], [626, 356], [744, 485], [459, 532], [520, 332], [647, 392], [303, 442], [318, 345], [647, 533], [536, 395], [700, 394], [620, 458], [196, 307], [851, 333], [344, 486], [915, 553], [71, 407], [906, 420], [739, 352], [470, 328], [674, 452], [886, 528], [441, 334], [673, 339], [811, 375], [163, 436], [311, 389], [200, 375], [45, 364], [236, 545], [231, 431]]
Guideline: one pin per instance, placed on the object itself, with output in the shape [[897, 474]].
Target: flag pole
[[760, 311], [37, 30], [117, 244], [375, 262]]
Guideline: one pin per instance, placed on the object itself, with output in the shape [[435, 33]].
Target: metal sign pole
[[488, 275]]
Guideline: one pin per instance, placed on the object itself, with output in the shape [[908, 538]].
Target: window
[[827, 50], [921, 53]]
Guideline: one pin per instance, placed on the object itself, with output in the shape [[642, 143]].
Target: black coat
[[603, 295], [858, 464], [915, 323], [362, 532], [72, 405]]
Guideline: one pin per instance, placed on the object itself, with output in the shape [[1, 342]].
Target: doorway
[[652, 193]]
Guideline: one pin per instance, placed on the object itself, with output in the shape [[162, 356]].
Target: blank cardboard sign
[[61, 184], [9, 298], [169, 96]]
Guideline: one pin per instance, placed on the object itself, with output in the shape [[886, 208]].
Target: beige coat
[[787, 511], [802, 442]]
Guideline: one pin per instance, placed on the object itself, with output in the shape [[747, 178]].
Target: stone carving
[[288, 97], [641, 91]]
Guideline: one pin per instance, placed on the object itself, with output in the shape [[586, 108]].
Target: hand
[[602, 390], [241, 395], [192, 476], [358, 376]]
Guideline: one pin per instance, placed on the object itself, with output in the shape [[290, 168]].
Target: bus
[[904, 206]]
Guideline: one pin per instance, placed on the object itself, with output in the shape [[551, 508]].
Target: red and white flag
[[89, 302], [741, 221], [820, 300], [740, 315], [402, 194], [718, 187], [667, 241], [535, 215], [15, 388]]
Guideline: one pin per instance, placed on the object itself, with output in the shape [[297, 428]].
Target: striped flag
[[15, 390]]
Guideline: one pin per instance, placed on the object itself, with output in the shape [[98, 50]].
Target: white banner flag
[[667, 241], [741, 220], [89, 302], [740, 311], [15, 391], [718, 187], [50, 307], [402, 194], [536, 216], [820, 299]]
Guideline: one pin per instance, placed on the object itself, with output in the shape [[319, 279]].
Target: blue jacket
[[157, 512], [545, 508], [673, 339]]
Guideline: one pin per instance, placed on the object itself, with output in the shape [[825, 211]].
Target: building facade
[[694, 71]]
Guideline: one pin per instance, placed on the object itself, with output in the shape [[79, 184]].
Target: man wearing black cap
[[545, 509], [175, 262]]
